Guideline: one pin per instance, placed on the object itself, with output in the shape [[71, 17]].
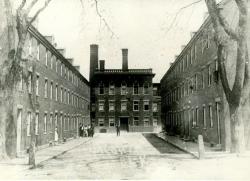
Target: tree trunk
[[32, 146], [237, 129]]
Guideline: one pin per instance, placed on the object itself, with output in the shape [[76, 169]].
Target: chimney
[[50, 39], [102, 65], [61, 51], [93, 60], [70, 60], [124, 59], [77, 67], [192, 34], [182, 47]]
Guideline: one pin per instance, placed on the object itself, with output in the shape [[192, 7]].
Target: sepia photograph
[[124, 90]]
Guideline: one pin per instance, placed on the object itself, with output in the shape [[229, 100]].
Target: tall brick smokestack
[[124, 59], [93, 60]]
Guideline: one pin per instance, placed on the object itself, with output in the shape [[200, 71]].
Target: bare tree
[[237, 96], [14, 67]]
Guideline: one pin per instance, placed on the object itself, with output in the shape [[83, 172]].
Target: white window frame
[[111, 120], [136, 120], [101, 105], [144, 120], [111, 89], [101, 120], [46, 88], [28, 123], [36, 123], [138, 104], [146, 102], [155, 107], [124, 105], [111, 105], [45, 123], [136, 84]]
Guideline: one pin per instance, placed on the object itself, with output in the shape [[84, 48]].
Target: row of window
[[198, 81], [123, 88], [52, 91], [69, 122], [146, 106], [191, 54], [146, 121], [196, 116], [54, 63]]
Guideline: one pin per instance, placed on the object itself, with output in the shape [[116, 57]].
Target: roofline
[[34, 32]]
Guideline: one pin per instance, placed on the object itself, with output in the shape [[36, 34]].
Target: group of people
[[86, 130]]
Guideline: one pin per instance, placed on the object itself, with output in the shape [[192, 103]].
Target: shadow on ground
[[161, 145]]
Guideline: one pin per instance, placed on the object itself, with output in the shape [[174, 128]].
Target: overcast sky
[[142, 26]]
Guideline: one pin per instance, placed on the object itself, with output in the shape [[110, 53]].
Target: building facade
[[62, 94], [193, 100], [122, 96]]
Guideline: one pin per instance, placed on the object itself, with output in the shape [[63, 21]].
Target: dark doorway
[[124, 124]]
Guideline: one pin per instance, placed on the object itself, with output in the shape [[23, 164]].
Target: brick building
[[193, 101], [62, 94], [122, 96]]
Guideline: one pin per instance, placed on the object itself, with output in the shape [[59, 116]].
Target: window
[[111, 122], [136, 89], [56, 120], [56, 93], [37, 123], [61, 94], [202, 80], [193, 118], [146, 122], [207, 40], [101, 122], [195, 82], [61, 69], [28, 123], [101, 89], [50, 122], [37, 85], [210, 112], [136, 105], [196, 117], [111, 89], [68, 97], [155, 107], [38, 52], [45, 123], [123, 105], [51, 90], [204, 117], [29, 82], [209, 76], [146, 105], [123, 89], [111, 105], [46, 88], [146, 88], [155, 121], [136, 121], [46, 58], [101, 105], [51, 61], [155, 91], [56, 64]]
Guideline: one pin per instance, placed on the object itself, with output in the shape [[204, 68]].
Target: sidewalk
[[192, 147], [46, 153]]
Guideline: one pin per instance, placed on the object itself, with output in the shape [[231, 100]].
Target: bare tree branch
[[103, 19], [38, 12], [31, 5], [179, 11], [22, 5]]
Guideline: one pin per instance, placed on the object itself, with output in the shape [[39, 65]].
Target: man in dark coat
[[118, 129]]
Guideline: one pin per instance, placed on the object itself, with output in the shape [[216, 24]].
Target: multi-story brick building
[[193, 100], [122, 96], [62, 94]]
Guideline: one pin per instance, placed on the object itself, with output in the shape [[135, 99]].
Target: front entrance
[[124, 124]]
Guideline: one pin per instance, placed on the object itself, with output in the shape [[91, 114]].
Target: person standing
[[117, 129]]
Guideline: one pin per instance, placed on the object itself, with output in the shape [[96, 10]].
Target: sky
[[153, 31]]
